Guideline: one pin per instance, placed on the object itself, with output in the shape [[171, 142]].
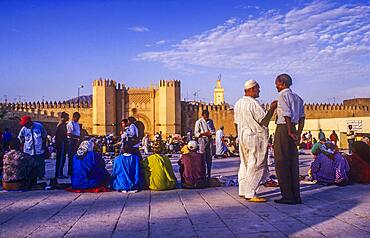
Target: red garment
[[359, 169], [192, 170], [90, 190], [333, 138]]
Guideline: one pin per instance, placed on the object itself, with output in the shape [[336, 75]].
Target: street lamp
[[78, 97]]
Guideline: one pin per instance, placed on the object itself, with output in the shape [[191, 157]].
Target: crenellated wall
[[337, 114], [159, 108], [50, 111], [222, 115]]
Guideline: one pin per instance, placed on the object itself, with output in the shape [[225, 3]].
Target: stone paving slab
[[213, 212]]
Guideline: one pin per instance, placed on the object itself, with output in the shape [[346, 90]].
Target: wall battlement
[[170, 83], [44, 105], [104, 82], [309, 108]]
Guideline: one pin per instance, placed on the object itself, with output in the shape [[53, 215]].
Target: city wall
[[328, 117], [50, 112]]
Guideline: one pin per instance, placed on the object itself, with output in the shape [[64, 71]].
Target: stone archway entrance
[[144, 122]]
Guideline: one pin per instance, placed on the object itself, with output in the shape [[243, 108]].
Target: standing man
[[350, 138], [290, 113], [221, 147], [61, 143], [145, 143], [334, 138], [73, 134], [251, 122], [321, 135], [204, 129], [33, 136], [133, 136]]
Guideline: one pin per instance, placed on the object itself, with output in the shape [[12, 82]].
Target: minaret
[[219, 93]]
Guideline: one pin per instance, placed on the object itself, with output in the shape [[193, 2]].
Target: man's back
[[192, 170]]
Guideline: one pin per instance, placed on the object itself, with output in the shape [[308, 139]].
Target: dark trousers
[[61, 159], [350, 144], [40, 161], [208, 158], [286, 163], [72, 150]]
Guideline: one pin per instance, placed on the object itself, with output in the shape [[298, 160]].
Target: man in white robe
[[252, 126], [221, 147]]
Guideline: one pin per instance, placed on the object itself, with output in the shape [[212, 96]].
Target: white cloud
[[322, 41], [161, 42], [138, 29]]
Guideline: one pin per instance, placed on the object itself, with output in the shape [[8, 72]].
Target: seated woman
[[359, 163], [329, 166], [158, 172], [19, 169], [88, 169], [192, 168], [126, 171]]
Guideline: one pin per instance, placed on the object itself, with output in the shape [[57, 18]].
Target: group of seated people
[[332, 167], [131, 173]]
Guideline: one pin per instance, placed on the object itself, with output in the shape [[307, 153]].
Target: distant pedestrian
[[221, 147], [61, 142], [334, 138], [204, 129], [73, 134], [350, 138], [33, 136], [321, 135], [133, 136], [145, 143]]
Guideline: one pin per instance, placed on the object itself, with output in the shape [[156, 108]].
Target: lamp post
[[78, 97]]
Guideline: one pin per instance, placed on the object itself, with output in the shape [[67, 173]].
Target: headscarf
[[85, 147], [192, 145]]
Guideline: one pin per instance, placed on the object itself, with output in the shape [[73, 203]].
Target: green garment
[[158, 173], [316, 148]]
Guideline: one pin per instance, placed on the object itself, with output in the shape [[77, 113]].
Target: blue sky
[[48, 48]]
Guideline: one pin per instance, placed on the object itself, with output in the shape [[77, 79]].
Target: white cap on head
[[192, 145], [250, 84]]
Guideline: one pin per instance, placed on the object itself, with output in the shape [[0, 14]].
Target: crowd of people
[[24, 155]]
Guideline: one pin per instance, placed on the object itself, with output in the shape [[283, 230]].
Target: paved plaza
[[214, 212]]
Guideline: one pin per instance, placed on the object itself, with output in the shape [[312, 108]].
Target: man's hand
[[207, 133], [273, 105], [293, 136], [298, 141]]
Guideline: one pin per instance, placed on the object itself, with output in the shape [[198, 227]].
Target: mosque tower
[[219, 93]]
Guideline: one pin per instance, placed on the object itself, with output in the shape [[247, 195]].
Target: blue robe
[[126, 172], [89, 172]]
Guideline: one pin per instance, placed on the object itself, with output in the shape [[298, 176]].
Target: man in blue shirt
[[33, 136]]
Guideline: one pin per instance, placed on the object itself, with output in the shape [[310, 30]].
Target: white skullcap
[[192, 145], [250, 84]]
